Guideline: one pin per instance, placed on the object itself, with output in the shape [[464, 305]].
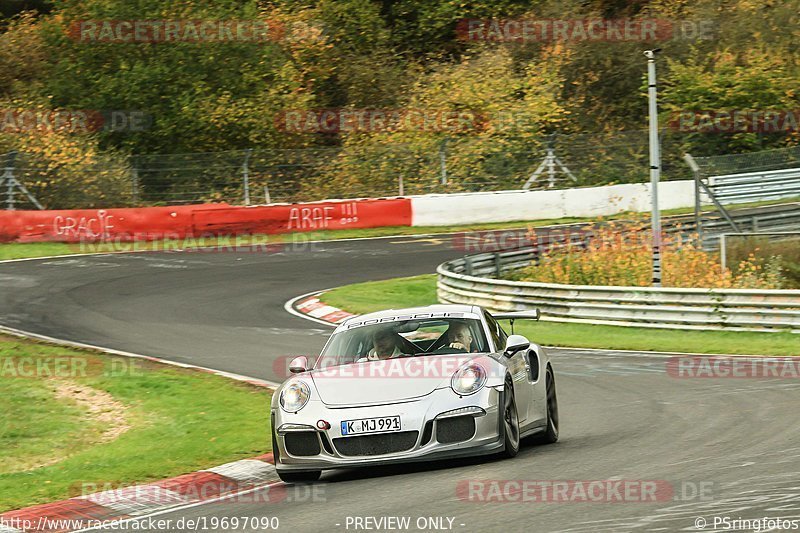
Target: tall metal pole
[[655, 163]]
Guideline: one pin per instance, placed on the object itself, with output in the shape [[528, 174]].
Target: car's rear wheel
[[550, 435], [510, 420], [299, 477]]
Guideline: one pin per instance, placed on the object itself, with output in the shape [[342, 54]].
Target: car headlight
[[468, 379], [295, 396]]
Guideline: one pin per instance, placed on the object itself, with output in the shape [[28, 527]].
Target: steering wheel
[[449, 349]]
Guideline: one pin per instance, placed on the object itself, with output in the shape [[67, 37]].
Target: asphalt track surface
[[622, 416]]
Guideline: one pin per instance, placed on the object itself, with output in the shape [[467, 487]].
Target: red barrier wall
[[177, 222], [344, 214], [97, 224]]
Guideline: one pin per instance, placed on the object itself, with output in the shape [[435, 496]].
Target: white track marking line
[[111, 351]]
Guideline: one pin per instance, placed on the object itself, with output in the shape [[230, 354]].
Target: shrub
[[623, 256]]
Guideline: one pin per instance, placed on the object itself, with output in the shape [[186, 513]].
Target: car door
[[519, 368]]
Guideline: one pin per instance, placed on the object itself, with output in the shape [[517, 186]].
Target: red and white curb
[[309, 306], [129, 503]]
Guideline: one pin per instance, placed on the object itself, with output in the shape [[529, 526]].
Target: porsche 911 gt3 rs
[[411, 385]]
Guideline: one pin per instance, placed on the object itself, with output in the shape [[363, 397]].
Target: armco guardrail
[[469, 281], [770, 218], [755, 186]]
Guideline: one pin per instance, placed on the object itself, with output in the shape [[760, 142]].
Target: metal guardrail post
[[498, 265], [12, 183], [443, 160], [8, 177], [246, 175], [698, 222], [135, 184]]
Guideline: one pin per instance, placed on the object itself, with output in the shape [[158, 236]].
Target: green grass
[[421, 290], [180, 421], [35, 249], [32, 421]]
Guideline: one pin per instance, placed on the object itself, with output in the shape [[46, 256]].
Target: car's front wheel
[[549, 435], [510, 420], [299, 477]]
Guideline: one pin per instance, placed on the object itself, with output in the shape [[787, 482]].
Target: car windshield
[[404, 338]]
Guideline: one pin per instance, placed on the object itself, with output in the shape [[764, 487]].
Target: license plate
[[381, 424]]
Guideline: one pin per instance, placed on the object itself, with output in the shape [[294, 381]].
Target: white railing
[[465, 281]]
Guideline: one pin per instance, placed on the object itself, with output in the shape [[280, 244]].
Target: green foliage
[[781, 255], [406, 54], [748, 80]]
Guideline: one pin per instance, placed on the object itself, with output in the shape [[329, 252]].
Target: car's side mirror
[[298, 364], [514, 344]]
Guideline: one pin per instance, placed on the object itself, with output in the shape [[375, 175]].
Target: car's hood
[[385, 381]]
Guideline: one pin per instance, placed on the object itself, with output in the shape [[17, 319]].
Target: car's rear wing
[[531, 314]]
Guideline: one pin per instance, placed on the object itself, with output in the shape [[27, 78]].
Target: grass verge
[[74, 418], [421, 290]]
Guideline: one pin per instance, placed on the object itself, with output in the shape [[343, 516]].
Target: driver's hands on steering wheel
[[457, 346]]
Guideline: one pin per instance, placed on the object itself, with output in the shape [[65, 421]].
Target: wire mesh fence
[[776, 159], [358, 168]]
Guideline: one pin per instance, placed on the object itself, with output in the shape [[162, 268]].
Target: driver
[[460, 337], [385, 345]]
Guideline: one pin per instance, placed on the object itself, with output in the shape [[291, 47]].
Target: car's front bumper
[[422, 415]]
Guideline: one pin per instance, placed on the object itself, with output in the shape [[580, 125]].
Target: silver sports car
[[411, 385]]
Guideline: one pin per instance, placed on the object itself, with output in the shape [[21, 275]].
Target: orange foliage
[[617, 256]]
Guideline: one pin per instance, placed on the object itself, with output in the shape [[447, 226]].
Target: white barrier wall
[[508, 206]]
